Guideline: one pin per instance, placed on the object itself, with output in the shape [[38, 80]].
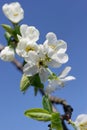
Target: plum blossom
[[57, 49], [81, 122], [29, 32], [13, 12], [7, 54], [27, 40], [36, 63], [57, 82], [39, 57]]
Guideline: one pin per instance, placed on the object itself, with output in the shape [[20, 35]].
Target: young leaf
[[25, 83], [7, 28], [56, 122], [7, 36], [38, 114], [36, 82], [47, 104]]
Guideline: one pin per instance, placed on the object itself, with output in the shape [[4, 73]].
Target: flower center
[[28, 48], [83, 126], [41, 63], [16, 14], [52, 46]]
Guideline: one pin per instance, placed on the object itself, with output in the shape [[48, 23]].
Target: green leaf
[[25, 83], [7, 36], [8, 28], [16, 31], [36, 82], [47, 104], [38, 114], [56, 122]]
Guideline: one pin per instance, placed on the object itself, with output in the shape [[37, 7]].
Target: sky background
[[68, 19]]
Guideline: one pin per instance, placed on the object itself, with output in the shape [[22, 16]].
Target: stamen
[[16, 14], [28, 48]]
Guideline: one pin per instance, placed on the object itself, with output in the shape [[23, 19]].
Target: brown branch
[[1, 47], [18, 65], [57, 100]]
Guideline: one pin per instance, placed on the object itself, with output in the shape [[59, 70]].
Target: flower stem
[[73, 124]]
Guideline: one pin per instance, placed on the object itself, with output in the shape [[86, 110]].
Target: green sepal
[[8, 28], [36, 82], [47, 105], [16, 32], [56, 123], [53, 76], [24, 83], [7, 36], [38, 114]]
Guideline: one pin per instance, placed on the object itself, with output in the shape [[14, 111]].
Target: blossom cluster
[[38, 57]]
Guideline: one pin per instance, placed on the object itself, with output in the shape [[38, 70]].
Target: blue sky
[[68, 19]]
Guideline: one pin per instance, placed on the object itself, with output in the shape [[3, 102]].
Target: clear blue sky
[[68, 19]]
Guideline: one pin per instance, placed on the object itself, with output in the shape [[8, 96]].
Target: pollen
[[52, 46], [28, 48], [83, 126], [16, 14]]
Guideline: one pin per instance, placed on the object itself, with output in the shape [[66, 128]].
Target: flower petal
[[30, 70], [68, 78], [32, 57], [51, 37], [60, 58], [65, 72], [43, 73], [61, 46], [23, 29]]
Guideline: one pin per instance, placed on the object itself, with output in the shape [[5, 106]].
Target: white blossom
[[29, 32], [81, 122], [24, 47], [57, 82], [56, 50], [7, 54], [27, 40], [36, 63], [13, 12]]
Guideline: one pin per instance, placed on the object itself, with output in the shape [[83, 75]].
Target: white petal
[[61, 46], [81, 122], [51, 37], [54, 63], [81, 117], [43, 74], [30, 70], [23, 29], [20, 49], [62, 57], [33, 57], [52, 86], [32, 33], [68, 78], [65, 72]]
